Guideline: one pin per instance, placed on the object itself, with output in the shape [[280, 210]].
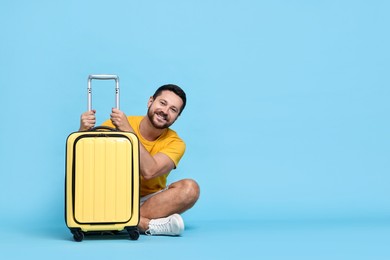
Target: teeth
[[161, 116]]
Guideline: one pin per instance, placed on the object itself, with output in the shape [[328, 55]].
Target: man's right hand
[[87, 120]]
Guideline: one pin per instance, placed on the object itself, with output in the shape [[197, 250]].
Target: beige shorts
[[145, 198]]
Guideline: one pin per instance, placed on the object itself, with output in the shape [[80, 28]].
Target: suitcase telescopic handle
[[103, 77]]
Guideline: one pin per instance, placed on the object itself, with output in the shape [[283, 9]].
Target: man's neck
[[148, 131]]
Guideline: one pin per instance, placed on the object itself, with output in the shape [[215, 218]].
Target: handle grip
[[102, 127], [103, 77]]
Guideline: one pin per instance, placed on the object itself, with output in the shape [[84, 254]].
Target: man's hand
[[119, 120], [87, 120]]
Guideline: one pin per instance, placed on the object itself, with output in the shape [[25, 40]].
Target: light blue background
[[287, 118]]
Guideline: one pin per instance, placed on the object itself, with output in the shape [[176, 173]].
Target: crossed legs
[[179, 197]]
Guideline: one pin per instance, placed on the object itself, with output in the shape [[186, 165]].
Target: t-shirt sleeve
[[174, 150]]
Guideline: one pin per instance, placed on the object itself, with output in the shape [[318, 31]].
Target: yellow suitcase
[[102, 182]]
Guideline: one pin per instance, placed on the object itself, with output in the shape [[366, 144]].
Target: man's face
[[164, 110]]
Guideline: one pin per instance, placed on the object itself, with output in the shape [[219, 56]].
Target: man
[[160, 152]]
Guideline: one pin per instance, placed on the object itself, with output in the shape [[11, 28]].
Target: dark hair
[[175, 89]]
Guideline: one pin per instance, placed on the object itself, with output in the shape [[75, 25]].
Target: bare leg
[[179, 197]]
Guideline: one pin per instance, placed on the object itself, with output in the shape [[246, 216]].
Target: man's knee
[[193, 189], [189, 189]]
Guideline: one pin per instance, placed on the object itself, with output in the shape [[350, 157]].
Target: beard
[[152, 115]]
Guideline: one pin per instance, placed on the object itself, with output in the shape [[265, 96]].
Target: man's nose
[[165, 110]]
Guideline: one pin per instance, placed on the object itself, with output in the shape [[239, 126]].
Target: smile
[[161, 117]]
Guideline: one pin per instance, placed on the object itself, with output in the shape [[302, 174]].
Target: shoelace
[[160, 227]]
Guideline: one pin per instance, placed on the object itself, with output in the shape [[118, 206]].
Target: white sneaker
[[169, 226]]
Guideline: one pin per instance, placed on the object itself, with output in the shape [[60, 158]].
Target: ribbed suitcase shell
[[102, 181]]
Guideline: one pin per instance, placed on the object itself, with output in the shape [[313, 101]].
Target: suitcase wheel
[[133, 233], [78, 235]]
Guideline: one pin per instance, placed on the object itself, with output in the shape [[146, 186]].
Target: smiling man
[[160, 152]]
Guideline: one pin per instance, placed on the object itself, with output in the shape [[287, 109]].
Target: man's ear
[[150, 101]]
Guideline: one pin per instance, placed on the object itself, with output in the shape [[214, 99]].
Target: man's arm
[[150, 166], [153, 166]]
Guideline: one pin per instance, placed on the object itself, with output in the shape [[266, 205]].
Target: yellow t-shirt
[[168, 143]]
